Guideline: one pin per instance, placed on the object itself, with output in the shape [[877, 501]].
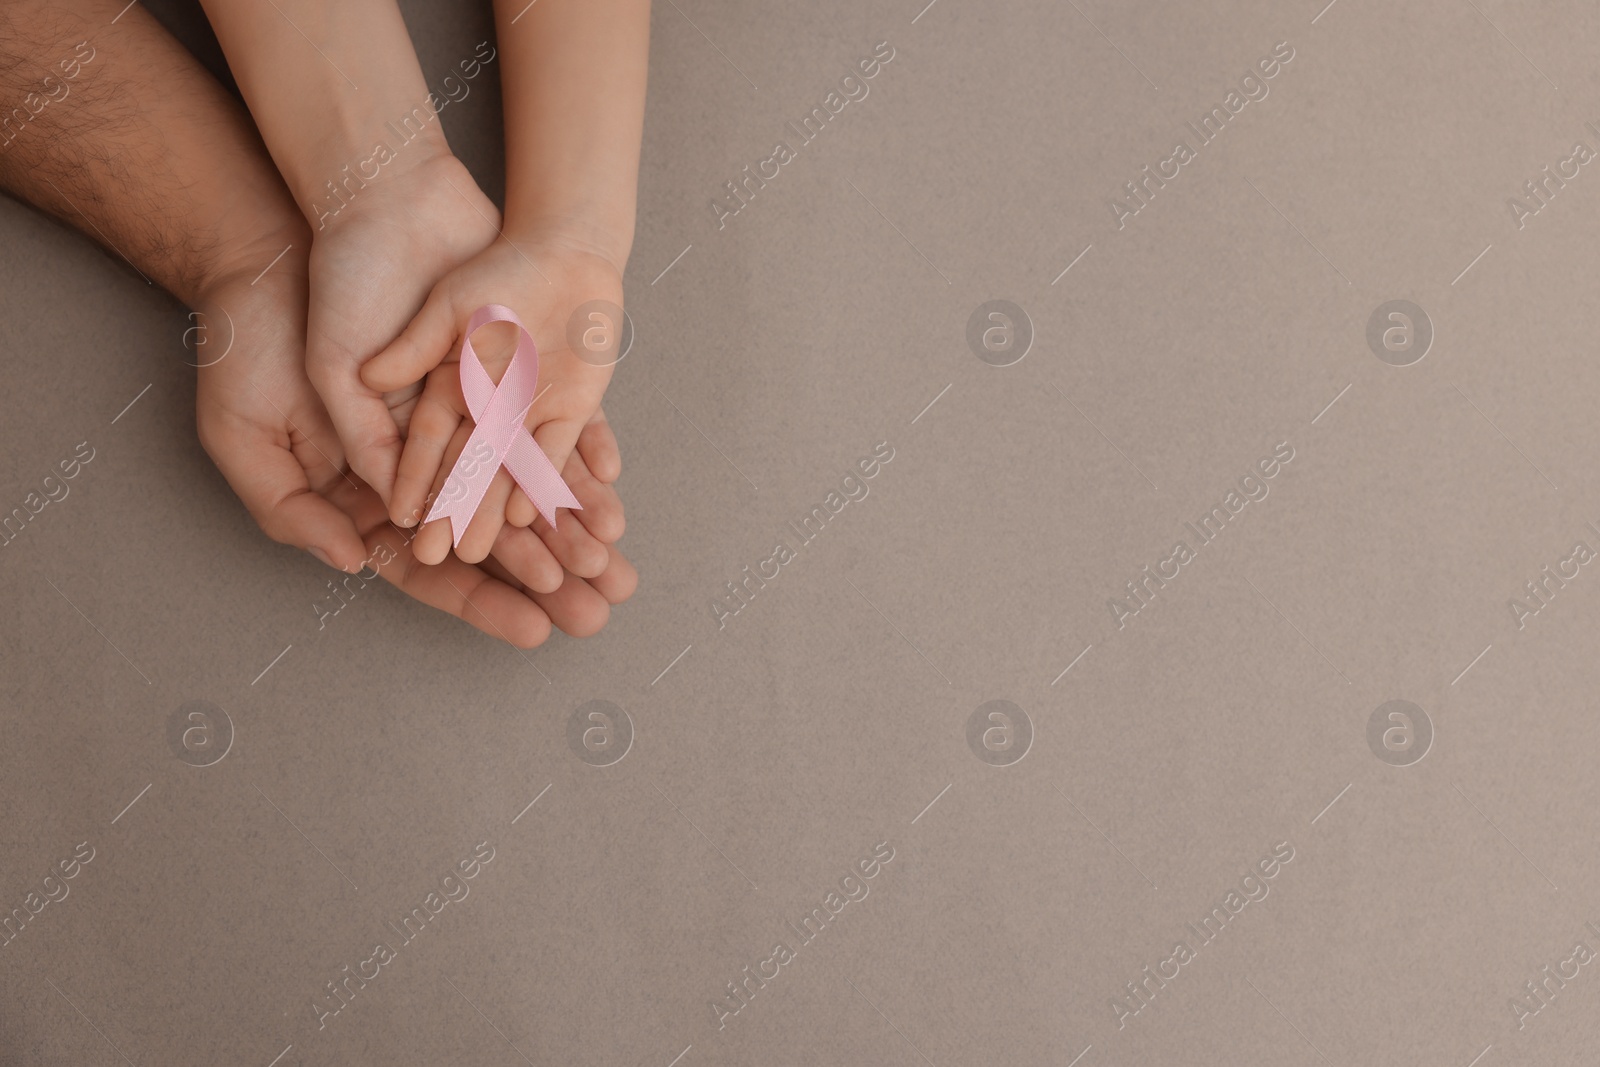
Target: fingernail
[[321, 555]]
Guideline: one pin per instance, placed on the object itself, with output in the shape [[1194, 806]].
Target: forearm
[[573, 78], [138, 145], [335, 89]]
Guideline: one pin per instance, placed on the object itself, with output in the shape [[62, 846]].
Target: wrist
[[328, 84], [592, 233], [365, 152], [279, 244], [402, 191]]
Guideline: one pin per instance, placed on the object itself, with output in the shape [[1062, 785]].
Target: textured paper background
[[771, 754]]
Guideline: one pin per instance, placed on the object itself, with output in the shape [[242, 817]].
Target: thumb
[[275, 489], [309, 521], [421, 346]]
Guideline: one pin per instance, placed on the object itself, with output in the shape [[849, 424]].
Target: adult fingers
[[602, 513], [485, 600], [574, 608], [529, 559], [577, 608], [487, 520], [573, 545], [434, 541], [619, 580], [433, 427]]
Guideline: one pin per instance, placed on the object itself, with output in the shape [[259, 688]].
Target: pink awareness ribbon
[[499, 439]]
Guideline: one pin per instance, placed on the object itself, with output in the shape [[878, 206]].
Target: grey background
[[826, 716]]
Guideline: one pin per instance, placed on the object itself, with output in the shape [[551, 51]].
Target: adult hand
[[264, 426], [372, 266]]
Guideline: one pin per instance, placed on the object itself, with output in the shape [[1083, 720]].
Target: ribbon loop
[[499, 439]]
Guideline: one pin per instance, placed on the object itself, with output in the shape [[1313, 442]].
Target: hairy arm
[[108, 124], [136, 144]]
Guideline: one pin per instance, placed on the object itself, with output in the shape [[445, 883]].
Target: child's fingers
[[487, 520], [478, 541], [557, 438], [598, 446], [528, 558], [520, 510], [581, 609], [421, 346], [433, 542], [600, 513], [495, 606], [434, 425], [600, 458], [579, 538]]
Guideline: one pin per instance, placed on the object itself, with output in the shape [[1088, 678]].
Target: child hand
[[545, 282], [371, 269]]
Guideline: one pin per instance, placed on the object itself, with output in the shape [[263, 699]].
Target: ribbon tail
[[464, 489], [460, 515], [539, 478]]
